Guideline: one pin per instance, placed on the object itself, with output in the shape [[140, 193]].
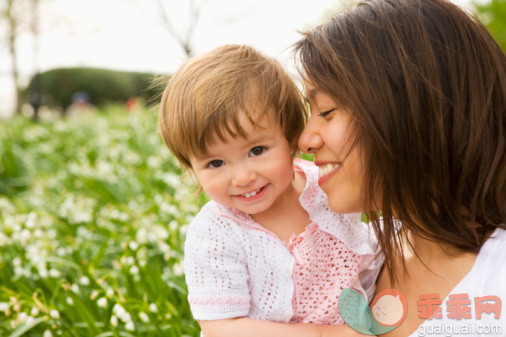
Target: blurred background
[[152, 36], [93, 211]]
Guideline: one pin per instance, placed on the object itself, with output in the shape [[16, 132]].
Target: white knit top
[[236, 268]]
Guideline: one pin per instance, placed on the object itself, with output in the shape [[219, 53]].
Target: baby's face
[[249, 174]]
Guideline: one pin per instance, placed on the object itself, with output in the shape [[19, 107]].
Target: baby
[[266, 247]]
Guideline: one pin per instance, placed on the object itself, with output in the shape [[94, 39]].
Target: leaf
[[25, 327]]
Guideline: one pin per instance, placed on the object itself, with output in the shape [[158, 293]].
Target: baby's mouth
[[251, 194]]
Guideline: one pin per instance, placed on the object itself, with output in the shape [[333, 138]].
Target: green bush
[[493, 14], [103, 86]]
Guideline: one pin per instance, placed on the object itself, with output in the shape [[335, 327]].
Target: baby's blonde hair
[[204, 97]]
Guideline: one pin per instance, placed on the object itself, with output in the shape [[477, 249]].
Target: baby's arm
[[249, 327]]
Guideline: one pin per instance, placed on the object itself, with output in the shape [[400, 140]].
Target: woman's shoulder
[[489, 271], [492, 252]]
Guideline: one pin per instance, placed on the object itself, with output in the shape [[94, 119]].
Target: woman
[[408, 102]]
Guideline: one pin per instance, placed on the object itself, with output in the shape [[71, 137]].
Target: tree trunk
[[12, 49]]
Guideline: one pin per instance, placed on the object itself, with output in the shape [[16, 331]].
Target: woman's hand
[[249, 327]]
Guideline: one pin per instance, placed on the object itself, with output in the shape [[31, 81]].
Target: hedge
[[103, 86]]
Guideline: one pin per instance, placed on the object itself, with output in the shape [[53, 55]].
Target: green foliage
[[493, 14], [13, 174], [103, 86], [91, 240]]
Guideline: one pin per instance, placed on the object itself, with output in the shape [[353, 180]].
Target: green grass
[[92, 221]]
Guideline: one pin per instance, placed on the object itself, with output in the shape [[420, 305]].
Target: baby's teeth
[[251, 194]]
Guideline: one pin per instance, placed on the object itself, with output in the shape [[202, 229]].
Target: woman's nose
[[310, 138], [243, 176]]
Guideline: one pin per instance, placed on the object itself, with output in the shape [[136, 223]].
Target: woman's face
[[329, 136]]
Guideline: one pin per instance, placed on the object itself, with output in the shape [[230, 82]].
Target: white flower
[[173, 225], [94, 294], [3, 239], [121, 313], [102, 302], [70, 301], [177, 269], [114, 321], [22, 316], [142, 235], [134, 270], [43, 272], [29, 320], [130, 326], [51, 234], [54, 273], [34, 311], [164, 247], [153, 308], [143, 316], [109, 292], [54, 314], [119, 310], [85, 281], [25, 236], [154, 161], [126, 317], [47, 333], [4, 306], [171, 179], [75, 288], [133, 245], [30, 221]]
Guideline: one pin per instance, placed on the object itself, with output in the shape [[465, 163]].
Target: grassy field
[[92, 221]]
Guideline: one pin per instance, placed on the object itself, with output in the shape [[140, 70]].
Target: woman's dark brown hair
[[426, 86]]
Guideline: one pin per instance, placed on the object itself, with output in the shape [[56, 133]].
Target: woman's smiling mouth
[[325, 171]]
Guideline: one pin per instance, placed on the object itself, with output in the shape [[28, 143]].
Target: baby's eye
[[257, 150], [215, 163]]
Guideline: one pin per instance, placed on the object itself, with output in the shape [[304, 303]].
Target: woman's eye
[[215, 163], [257, 150], [325, 113]]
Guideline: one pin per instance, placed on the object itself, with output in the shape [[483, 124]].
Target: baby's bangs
[[225, 123]]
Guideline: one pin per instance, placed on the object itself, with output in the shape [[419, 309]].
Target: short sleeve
[[215, 269]]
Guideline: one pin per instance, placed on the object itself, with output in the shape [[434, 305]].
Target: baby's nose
[[243, 176]]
